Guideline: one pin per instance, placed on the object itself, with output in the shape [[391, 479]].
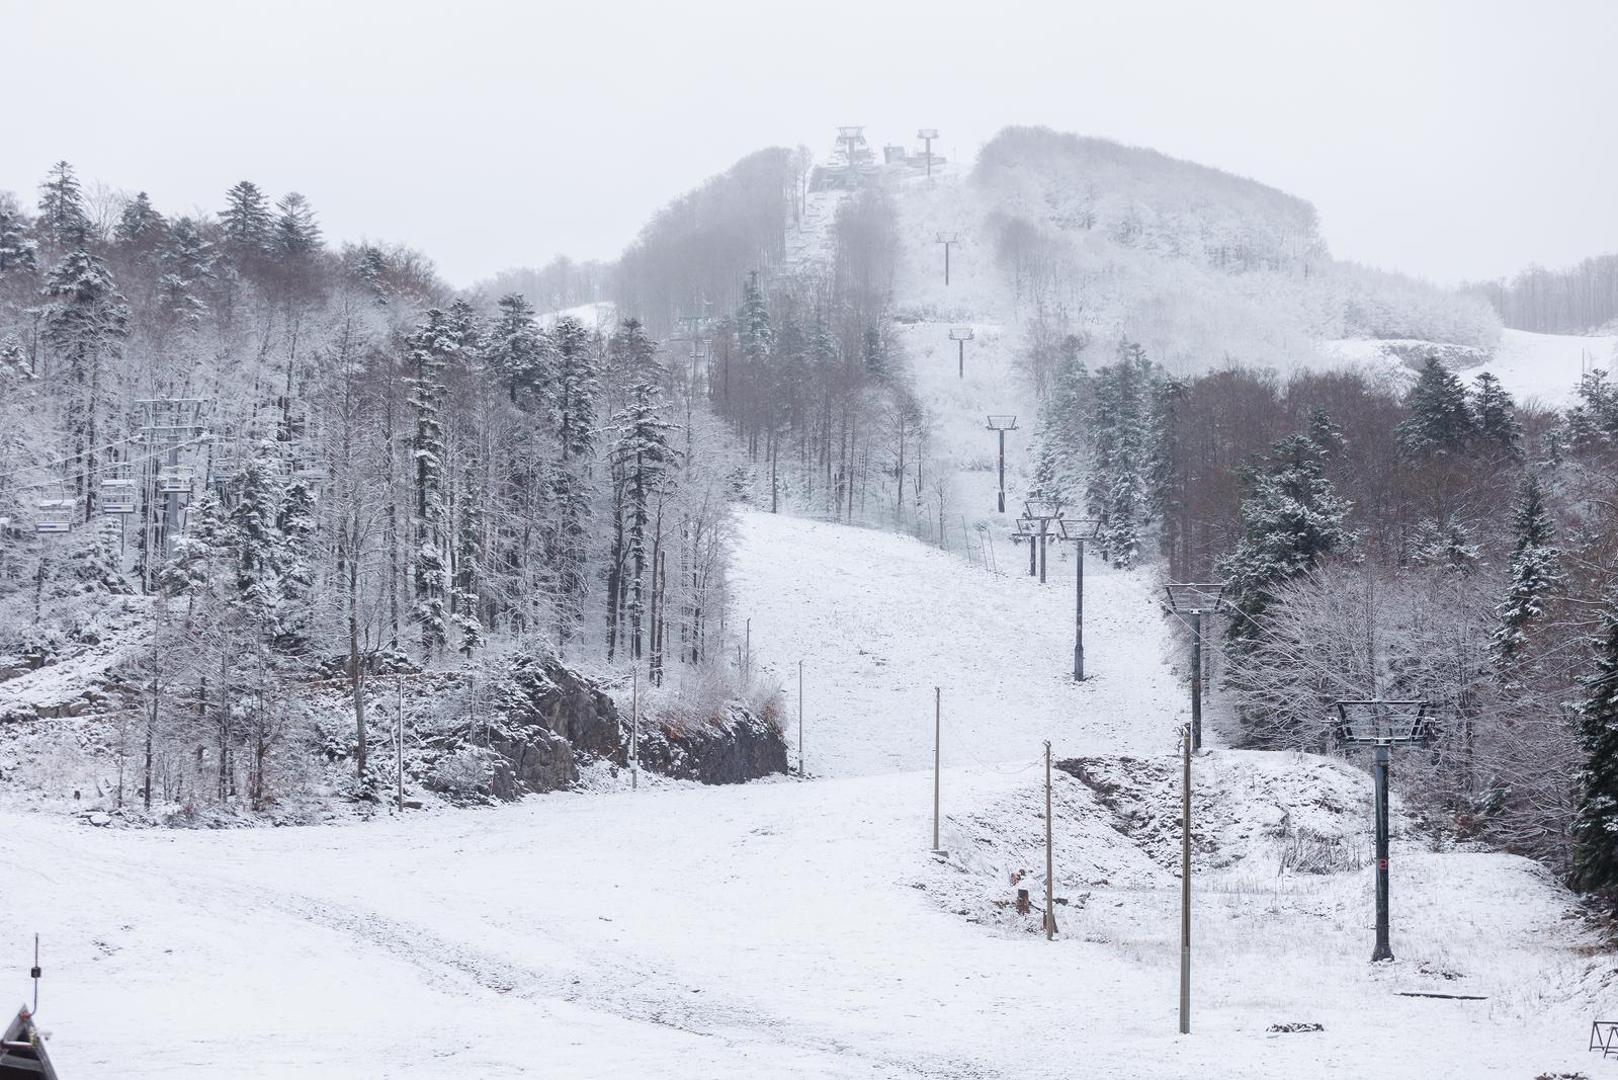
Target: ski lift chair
[[54, 512], [175, 479], [118, 496]]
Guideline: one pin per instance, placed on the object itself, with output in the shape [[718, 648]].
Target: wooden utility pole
[[938, 731], [800, 719], [1185, 885], [634, 729], [1050, 884]]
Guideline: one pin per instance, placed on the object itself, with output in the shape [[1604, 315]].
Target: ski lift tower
[[1382, 725], [960, 335], [1076, 531], [1038, 515], [927, 135], [1196, 600], [167, 424], [1001, 423]]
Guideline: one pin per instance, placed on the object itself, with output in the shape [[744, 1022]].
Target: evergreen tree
[[517, 350], [573, 410], [430, 348], [18, 253], [643, 454], [246, 219], [469, 566], [63, 219], [1495, 417], [140, 227], [295, 233], [295, 526], [1291, 519], [1595, 827], [753, 329], [1594, 420], [1116, 494], [875, 352], [86, 322], [1534, 573], [1440, 420], [253, 540]]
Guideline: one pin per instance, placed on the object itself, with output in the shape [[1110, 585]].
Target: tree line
[[1440, 543]]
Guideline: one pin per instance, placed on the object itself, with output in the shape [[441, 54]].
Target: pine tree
[[295, 526], [430, 348], [295, 233], [62, 216], [253, 540], [1495, 417], [875, 352], [1534, 573], [573, 411], [1116, 494], [517, 350], [643, 454], [140, 226], [18, 253], [86, 322], [246, 219], [1291, 519], [1440, 420], [1595, 826], [469, 565], [753, 329]]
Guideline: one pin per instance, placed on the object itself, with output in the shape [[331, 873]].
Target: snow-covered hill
[[1538, 369]]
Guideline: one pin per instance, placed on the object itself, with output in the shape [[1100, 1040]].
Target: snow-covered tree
[[63, 219], [1441, 419], [1595, 828], [1291, 519], [1116, 494], [1534, 572], [86, 322], [1495, 417], [430, 348]]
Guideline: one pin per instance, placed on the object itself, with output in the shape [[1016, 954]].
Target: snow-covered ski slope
[[880, 620], [805, 929], [1538, 369]]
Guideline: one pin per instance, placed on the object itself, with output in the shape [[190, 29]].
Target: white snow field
[[1537, 369]]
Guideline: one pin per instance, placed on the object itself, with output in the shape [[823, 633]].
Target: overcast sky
[[1451, 140]]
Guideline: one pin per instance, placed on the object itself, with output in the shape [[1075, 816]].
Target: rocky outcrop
[[738, 747], [547, 719]]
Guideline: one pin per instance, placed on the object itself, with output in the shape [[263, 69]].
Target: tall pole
[[1042, 524], [398, 735], [947, 243], [961, 358], [1078, 615], [1002, 433], [1383, 951], [1033, 556], [1050, 908], [1185, 888], [1196, 680], [800, 719], [938, 733], [634, 729]]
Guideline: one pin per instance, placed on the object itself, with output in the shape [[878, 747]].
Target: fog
[[1450, 140]]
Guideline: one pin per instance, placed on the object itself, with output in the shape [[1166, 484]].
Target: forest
[[287, 468], [1439, 544]]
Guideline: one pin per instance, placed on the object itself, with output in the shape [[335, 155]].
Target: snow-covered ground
[[805, 929], [1538, 369]]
